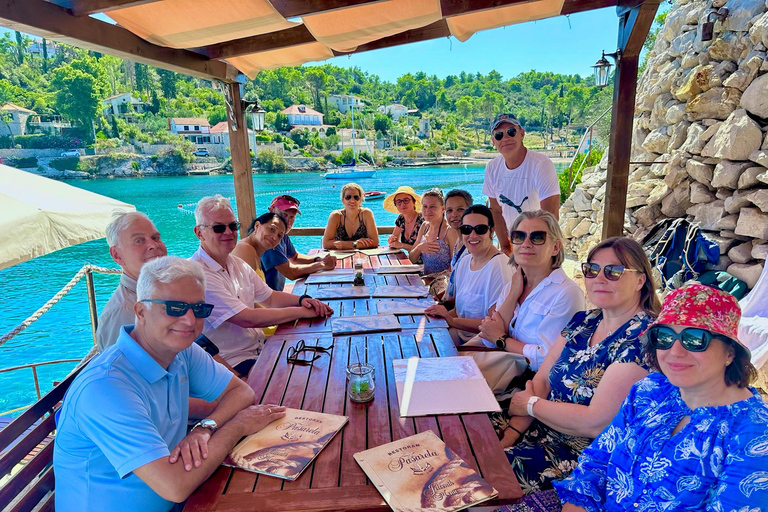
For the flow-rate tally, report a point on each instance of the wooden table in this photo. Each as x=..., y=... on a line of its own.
x=334, y=481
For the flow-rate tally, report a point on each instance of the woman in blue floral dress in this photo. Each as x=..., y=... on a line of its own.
x=692, y=437
x=588, y=372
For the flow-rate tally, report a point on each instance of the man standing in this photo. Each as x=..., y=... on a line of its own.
x=283, y=261
x=235, y=288
x=133, y=240
x=518, y=179
x=121, y=431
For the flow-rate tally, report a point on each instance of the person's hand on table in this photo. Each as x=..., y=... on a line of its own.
x=192, y=450
x=364, y=243
x=392, y=240
x=493, y=327
x=518, y=405
x=317, y=307
x=437, y=310
x=256, y=417
x=329, y=262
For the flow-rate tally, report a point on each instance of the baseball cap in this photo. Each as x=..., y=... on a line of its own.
x=504, y=118
x=285, y=202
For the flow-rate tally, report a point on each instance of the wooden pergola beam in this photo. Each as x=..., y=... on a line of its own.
x=634, y=23
x=51, y=21
x=86, y=7
x=574, y=6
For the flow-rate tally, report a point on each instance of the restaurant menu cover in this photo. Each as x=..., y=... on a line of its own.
x=285, y=447
x=421, y=473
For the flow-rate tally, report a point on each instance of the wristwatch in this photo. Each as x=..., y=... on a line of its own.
x=354, y=244
x=207, y=424
x=317, y=258
x=529, y=408
x=501, y=342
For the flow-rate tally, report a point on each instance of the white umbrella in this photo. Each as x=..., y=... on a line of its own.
x=39, y=215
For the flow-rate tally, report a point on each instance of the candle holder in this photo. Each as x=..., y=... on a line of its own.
x=360, y=382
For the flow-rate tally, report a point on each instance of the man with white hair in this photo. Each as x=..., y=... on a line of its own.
x=235, y=288
x=121, y=441
x=133, y=240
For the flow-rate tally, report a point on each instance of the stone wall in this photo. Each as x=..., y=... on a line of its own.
x=701, y=118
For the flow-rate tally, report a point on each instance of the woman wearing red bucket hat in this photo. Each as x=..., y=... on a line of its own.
x=692, y=436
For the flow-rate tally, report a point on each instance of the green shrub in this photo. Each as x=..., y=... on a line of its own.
x=270, y=161
x=571, y=176
x=135, y=166
x=70, y=163
x=40, y=141
x=23, y=162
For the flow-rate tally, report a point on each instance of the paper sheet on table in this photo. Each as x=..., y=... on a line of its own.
x=378, y=251
x=399, y=269
x=364, y=324
x=408, y=291
x=404, y=306
x=326, y=277
x=343, y=292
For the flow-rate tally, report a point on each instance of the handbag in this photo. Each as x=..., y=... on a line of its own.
x=497, y=366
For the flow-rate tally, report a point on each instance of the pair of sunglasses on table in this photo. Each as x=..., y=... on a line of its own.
x=179, y=308
x=294, y=353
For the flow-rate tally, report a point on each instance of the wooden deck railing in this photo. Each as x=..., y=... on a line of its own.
x=319, y=231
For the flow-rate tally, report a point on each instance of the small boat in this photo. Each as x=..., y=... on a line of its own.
x=352, y=172
x=375, y=194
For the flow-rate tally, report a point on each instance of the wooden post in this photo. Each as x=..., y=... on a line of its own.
x=242, y=172
x=634, y=24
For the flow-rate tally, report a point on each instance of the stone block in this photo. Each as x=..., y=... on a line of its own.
x=749, y=176
x=760, y=251
x=676, y=203
x=657, y=141
x=677, y=135
x=749, y=273
x=755, y=97
x=753, y=223
x=727, y=174
x=728, y=222
x=675, y=114
x=723, y=243
x=759, y=198
x=760, y=157
x=707, y=215
x=741, y=253
x=722, y=263
x=647, y=215
x=568, y=226
x=582, y=228
x=700, y=171
x=581, y=200
x=741, y=14
x=736, y=138
x=735, y=202
x=700, y=193
x=660, y=191
x=717, y=103
x=740, y=79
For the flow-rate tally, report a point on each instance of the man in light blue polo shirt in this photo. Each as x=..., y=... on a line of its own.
x=121, y=442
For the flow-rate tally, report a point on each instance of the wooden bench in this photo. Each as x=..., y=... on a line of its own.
x=26, y=454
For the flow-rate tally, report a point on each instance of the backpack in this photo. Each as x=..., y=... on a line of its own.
x=725, y=282
x=679, y=251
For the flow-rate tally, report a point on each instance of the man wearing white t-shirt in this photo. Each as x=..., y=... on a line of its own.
x=233, y=288
x=517, y=180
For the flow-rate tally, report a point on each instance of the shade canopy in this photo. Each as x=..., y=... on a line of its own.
x=41, y=215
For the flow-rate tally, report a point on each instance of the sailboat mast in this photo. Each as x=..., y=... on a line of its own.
x=354, y=150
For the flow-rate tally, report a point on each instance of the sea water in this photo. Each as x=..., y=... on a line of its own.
x=65, y=331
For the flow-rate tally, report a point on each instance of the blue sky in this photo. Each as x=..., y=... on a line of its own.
x=546, y=45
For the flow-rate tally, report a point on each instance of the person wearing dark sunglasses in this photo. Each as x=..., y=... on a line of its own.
x=479, y=277
x=352, y=227
x=238, y=293
x=587, y=373
x=121, y=433
x=696, y=417
x=284, y=261
x=540, y=299
x=518, y=179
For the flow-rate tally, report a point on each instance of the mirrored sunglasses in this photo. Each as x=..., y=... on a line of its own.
x=480, y=229
x=537, y=237
x=692, y=339
x=611, y=272
x=179, y=308
x=500, y=134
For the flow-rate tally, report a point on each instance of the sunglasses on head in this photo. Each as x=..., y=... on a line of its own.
x=537, y=237
x=480, y=229
x=221, y=228
x=692, y=339
x=611, y=272
x=350, y=196
x=500, y=134
x=179, y=308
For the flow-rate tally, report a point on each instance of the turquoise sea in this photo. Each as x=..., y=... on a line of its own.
x=65, y=331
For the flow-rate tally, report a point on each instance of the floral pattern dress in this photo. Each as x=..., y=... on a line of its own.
x=409, y=238
x=718, y=461
x=543, y=454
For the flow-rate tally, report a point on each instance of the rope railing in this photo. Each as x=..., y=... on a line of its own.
x=56, y=298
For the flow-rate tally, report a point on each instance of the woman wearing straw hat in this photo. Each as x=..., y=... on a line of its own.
x=693, y=436
x=407, y=203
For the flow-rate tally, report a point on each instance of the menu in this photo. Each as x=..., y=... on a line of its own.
x=285, y=447
x=421, y=473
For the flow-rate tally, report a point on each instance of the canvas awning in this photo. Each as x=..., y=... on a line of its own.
x=42, y=215
x=225, y=24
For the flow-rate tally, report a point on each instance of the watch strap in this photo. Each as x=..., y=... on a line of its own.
x=529, y=407
x=207, y=424
x=501, y=342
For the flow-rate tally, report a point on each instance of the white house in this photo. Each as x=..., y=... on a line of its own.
x=122, y=105
x=13, y=119
x=195, y=129
x=303, y=116
x=36, y=48
x=396, y=110
x=345, y=102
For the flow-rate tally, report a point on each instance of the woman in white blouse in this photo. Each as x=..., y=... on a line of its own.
x=480, y=278
x=540, y=299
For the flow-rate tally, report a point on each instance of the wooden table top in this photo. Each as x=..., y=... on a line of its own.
x=334, y=481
